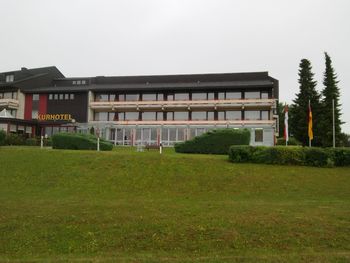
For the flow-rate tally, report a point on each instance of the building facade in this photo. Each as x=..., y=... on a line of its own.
x=132, y=110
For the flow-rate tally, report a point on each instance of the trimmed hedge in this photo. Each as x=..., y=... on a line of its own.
x=214, y=142
x=15, y=139
x=2, y=137
x=76, y=141
x=321, y=157
x=291, y=141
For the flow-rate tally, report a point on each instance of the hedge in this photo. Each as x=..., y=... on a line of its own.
x=2, y=137
x=215, y=141
x=15, y=139
x=321, y=157
x=291, y=141
x=76, y=141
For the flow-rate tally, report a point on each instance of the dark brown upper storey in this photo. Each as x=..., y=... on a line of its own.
x=191, y=82
x=26, y=79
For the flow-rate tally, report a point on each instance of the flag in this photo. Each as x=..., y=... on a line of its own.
x=311, y=134
x=286, y=136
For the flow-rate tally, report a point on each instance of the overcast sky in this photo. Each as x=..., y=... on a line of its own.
x=101, y=37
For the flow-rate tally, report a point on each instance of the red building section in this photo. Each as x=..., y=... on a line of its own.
x=42, y=104
x=28, y=107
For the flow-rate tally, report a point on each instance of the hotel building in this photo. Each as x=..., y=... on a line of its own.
x=131, y=110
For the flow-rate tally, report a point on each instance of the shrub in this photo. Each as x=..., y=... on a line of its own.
x=14, y=139
x=292, y=141
x=31, y=142
x=2, y=137
x=76, y=141
x=215, y=142
x=240, y=154
x=289, y=155
x=341, y=156
x=318, y=157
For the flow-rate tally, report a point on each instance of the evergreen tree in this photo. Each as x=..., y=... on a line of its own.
x=298, y=124
x=330, y=92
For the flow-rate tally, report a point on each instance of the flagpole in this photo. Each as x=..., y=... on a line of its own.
x=333, y=124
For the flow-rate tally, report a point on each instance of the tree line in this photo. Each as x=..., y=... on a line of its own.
x=321, y=105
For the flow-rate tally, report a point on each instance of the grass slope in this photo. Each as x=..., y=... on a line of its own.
x=126, y=206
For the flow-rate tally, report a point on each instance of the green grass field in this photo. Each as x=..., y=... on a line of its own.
x=125, y=206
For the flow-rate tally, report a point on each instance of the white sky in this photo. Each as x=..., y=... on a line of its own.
x=102, y=37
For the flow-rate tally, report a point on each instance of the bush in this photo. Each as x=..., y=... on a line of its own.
x=14, y=139
x=76, y=141
x=292, y=141
x=290, y=155
x=2, y=137
x=341, y=156
x=31, y=142
x=240, y=154
x=318, y=156
x=214, y=142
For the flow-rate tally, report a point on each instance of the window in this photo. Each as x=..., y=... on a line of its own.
x=170, y=97
x=160, y=116
x=60, y=96
x=131, y=97
x=121, y=116
x=83, y=82
x=34, y=114
x=35, y=97
x=199, y=96
x=101, y=116
x=101, y=97
x=10, y=78
x=181, y=115
x=131, y=116
x=221, y=115
x=50, y=96
x=210, y=116
x=199, y=115
x=181, y=96
x=14, y=95
x=78, y=82
x=170, y=116
x=252, y=95
x=121, y=97
x=7, y=95
x=221, y=95
x=233, y=115
x=149, y=116
x=258, y=135
x=211, y=96
x=264, y=114
x=71, y=96
x=55, y=96
x=252, y=115
x=149, y=97
x=233, y=95
x=66, y=96
x=74, y=82
x=264, y=95
x=111, y=97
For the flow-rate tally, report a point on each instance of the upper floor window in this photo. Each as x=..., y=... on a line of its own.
x=181, y=96
x=149, y=96
x=252, y=95
x=199, y=96
x=233, y=95
x=131, y=97
x=264, y=95
x=10, y=78
x=35, y=97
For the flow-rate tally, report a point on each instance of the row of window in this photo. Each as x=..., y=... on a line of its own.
x=8, y=95
x=182, y=96
x=61, y=96
x=182, y=115
x=79, y=82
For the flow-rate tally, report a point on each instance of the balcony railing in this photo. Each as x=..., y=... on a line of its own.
x=9, y=103
x=180, y=104
x=187, y=122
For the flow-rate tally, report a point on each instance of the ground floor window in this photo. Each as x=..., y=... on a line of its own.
x=259, y=135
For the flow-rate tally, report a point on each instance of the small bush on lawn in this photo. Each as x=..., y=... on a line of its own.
x=77, y=141
x=291, y=142
x=321, y=157
x=2, y=137
x=341, y=156
x=215, y=142
x=31, y=142
x=14, y=139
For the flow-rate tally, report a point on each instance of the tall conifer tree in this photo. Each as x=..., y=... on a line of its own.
x=330, y=92
x=299, y=111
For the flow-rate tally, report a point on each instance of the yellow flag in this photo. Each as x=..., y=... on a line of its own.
x=311, y=134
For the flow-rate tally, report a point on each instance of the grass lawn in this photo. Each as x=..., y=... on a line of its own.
x=126, y=206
